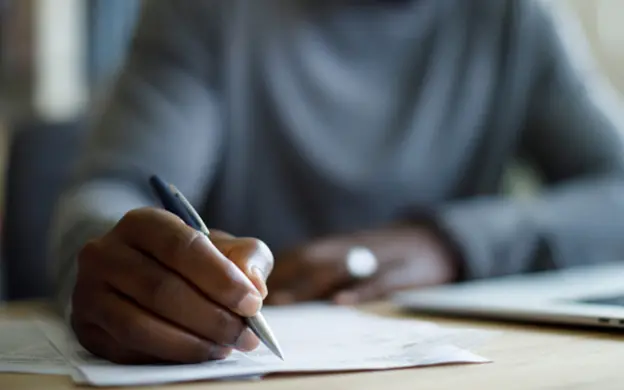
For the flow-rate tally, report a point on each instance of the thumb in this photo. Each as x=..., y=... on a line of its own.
x=251, y=255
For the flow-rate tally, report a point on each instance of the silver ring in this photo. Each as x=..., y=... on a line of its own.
x=361, y=262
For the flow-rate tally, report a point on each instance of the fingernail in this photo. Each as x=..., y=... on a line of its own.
x=282, y=298
x=250, y=305
x=247, y=341
x=259, y=280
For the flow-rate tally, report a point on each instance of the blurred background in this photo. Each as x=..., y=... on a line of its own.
x=57, y=55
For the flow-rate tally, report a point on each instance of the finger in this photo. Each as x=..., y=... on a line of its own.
x=251, y=255
x=316, y=284
x=319, y=283
x=101, y=344
x=91, y=336
x=309, y=273
x=367, y=291
x=166, y=294
x=384, y=283
x=140, y=331
x=191, y=254
x=280, y=281
x=283, y=273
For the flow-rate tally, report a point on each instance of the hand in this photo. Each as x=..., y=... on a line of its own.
x=155, y=290
x=409, y=257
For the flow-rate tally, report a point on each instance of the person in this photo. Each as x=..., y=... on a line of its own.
x=305, y=129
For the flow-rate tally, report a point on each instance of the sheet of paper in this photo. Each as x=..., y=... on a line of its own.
x=315, y=338
x=25, y=348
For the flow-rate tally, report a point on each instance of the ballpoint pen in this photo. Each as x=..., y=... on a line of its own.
x=176, y=203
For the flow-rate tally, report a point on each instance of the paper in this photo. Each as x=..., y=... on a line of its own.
x=314, y=338
x=25, y=348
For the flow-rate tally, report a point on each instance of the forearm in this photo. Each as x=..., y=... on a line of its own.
x=570, y=224
x=573, y=136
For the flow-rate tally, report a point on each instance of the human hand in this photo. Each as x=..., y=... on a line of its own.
x=155, y=290
x=408, y=257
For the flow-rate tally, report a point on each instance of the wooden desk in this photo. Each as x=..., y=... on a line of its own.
x=525, y=357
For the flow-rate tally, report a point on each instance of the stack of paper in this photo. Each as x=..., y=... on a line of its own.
x=315, y=338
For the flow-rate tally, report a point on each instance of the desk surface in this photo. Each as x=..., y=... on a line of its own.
x=524, y=357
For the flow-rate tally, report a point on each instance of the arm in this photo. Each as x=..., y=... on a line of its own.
x=573, y=135
x=161, y=118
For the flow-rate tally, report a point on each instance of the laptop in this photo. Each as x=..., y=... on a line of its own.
x=581, y=296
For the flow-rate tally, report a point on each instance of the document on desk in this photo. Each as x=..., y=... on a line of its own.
x=25, y=348
x=315, y=338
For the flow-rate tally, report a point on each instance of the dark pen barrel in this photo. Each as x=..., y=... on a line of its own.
x=170, y=202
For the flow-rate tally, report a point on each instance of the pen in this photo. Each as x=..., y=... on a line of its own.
x=176, y=203
x=170, y=203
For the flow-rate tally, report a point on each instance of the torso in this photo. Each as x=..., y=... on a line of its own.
x=353, y=113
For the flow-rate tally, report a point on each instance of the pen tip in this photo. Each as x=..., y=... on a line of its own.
x=277, y=351
x=261, y=329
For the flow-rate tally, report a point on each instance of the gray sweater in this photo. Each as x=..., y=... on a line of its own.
x=286, y=120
